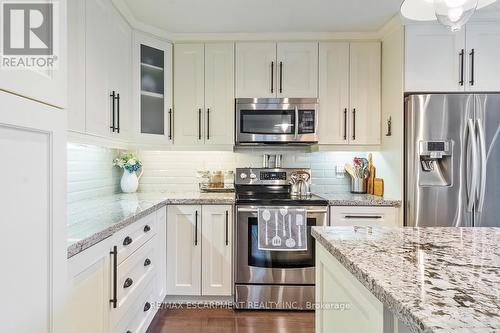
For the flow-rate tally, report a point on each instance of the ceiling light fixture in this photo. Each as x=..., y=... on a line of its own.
x=451, y=13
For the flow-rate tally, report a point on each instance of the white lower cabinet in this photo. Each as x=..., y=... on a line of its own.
x=341, y=216
x=344, y=304
x=128, y=268
x=199, y=251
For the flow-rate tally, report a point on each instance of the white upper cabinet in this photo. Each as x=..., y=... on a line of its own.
x=204, y=94
x=189, y=94
x=256, y=70
x=219, y=93
x=269, y=69
x=483, y=52
x=334, y=93
x=152, y=86
x=435, y=59
x=297, y=70
x=365, y=91
x=44, y=85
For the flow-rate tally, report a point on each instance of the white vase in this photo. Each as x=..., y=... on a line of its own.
x=129, y=182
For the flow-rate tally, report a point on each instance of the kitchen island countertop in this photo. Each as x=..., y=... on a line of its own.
x=431, y=279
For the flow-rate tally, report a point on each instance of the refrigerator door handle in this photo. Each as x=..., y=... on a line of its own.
x=483, y=160
x=473, y=185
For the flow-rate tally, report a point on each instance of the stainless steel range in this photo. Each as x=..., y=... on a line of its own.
x=273, y=279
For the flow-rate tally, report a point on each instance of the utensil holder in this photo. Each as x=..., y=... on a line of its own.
x=359, y=185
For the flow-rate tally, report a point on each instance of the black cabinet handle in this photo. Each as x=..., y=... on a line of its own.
x=113, y=106
x=114, y=254
x=199, y=124
x=196, y=228
x=118, y=113
x=227, y=228
x=472, y=54
x=281, y=77
x=462, y=54
x=345, y=124
x=208, y=124
x=147, y=228
x=170, y=124
x=272, y=77
x=147, y=306
x=127, y=241
x=354, y=124
x=147, y=262
x=128, y=282
x=366, y=217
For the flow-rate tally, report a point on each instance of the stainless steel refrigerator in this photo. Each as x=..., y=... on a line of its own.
x=452, y=165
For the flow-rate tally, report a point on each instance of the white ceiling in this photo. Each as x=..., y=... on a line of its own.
x=257, y=16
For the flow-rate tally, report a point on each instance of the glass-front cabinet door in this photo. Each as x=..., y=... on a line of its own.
x=153, y=90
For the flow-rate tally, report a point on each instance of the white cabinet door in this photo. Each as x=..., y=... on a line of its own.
x=33, y=141
x=433, y=60
x=483, y=39
x=47, y=86
x=184, y=250
x=216, y=247
x=189, y=94
x=76, y=66
x=98, y=100
x=120, y=75
x=365, y=91
x=297, y=70
x=219, y=93
x=364, y=216
x=256, y=70
x=152, y=90
x=334, y=93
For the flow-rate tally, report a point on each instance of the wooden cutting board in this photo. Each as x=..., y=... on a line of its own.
x=378, y=187
x=371, y=177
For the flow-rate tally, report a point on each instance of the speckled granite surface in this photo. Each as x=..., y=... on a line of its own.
x=432, y=279
x=350, y=199
x=91, y=221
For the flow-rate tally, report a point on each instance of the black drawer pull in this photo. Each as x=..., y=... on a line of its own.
x=147, y=262
x=147, y=306
x=127, y=241
x=147, y=228
x=128, y=283
x=367, y=217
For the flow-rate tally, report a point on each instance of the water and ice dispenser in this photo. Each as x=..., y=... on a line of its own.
x=436, y=163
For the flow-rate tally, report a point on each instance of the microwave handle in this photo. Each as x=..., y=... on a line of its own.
x=296, y=123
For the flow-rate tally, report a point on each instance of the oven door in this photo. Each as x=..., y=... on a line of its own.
x=276, y=123
x=254, y=266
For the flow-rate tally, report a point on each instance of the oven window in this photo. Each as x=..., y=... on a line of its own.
x=279, y=259
x=267, y=121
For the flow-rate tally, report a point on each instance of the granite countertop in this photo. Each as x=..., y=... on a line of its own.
x=432, y=279
x=350, y=199
x=91, y=221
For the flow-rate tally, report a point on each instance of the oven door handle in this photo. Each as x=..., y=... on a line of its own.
x=308, y=211
x=296, y=135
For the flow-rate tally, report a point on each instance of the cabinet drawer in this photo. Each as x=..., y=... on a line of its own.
x=140, y=314
x=133, y=237
x=133, y=273
x=363, y=216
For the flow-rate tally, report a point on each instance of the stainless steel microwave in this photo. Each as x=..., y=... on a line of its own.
x=276, y=121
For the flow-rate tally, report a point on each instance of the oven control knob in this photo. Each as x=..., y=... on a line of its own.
x=253, y=176
x=243, y=175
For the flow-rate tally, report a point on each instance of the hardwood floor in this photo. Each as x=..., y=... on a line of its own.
x=229, y=321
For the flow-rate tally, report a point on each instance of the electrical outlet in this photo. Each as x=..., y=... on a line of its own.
x=340, y=171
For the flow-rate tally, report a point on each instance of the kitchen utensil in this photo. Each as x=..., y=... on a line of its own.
x=276, y=241
x=283, y=212
x=266, y=215
x=299, y=222
x=290, y=242
x=350, y=170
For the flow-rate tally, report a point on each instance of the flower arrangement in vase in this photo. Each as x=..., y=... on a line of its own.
x=130, y=165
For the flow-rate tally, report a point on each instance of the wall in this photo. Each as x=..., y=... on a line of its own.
x=90, y=172
x=389, y=159
x=176, y=171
